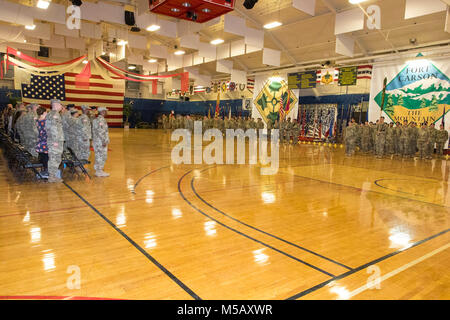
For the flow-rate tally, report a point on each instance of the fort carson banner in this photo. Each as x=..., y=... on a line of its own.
x=417, y=91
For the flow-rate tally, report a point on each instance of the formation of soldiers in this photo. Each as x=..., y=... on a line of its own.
x=289, y=130
x=66, y=128
x=403, y=140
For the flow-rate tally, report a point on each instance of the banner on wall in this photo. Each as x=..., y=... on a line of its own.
x=302, y=80
x=348, y=76
x=418, y=91
x=275, y=100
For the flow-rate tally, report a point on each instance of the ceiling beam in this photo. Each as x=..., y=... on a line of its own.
x=274, y=39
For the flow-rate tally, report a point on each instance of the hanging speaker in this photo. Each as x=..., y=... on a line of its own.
x=129, y=18
x=43, y=52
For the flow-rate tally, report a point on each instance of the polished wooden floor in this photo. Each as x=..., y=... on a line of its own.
x=324, y=227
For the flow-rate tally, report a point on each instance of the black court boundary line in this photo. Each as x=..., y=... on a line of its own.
x=416, y=195
x=363, y=190
x=344, y=275
x=138, y=247
x=145, y=176
x=243, y=234
x=262, y=231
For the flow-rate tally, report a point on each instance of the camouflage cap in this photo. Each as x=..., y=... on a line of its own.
x=85, y=107
x=53, y=101
x=100, y=109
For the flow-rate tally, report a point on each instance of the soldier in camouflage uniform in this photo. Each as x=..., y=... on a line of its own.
x=441, y=140
x=390, y=139
x=372, y=137
x=270, y=125
x=29, y=129
x=100, y=140
x=380, y=138
x=295, y=131
x=412, y=139
x=259, y=126
x=398, y=132
x=84, y=140
x=423, y=136
x=431, y=141
x=76, y=131
x=165, y=122
x=350, y=139
x=404, y=138
x=365, y=138
x=55, y=139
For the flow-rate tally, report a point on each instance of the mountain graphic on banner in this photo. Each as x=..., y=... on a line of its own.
x=419, y=86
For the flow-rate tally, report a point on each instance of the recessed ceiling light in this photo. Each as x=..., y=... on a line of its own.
x=122, y=42
x=30, y=27
x=206, y=10
x=153, y=27
x=85, y=61
x=179, y=52
x=24, y=40
x=43, y=4
x=216, y=41
x=272, y=25
x=356, y=1
x=131, y=67
x=152, y=60
x=175, y=10
x=186, y=4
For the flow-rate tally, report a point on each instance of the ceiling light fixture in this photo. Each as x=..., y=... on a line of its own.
x=179, y=52
x=152, y=60
x=153, y=27
x=131, y=67
x=186, y=4
x=217, y=41
x=175, y=10
x=206, y=10
x=85, y=61
x=356, y=1
x=122, y=42
x=43, y=4
x=272, y=25
x=30, y=27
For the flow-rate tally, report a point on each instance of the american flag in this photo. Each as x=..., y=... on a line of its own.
x=100, y=93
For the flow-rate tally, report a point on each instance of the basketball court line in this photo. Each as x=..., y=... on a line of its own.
x=364, y=190
x=259, y=230
x=138, y=247
x=145, y=176
x=243, y=234
x=364, y=266
x=398, y=270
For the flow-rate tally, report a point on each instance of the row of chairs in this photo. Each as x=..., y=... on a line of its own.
x=26, y=167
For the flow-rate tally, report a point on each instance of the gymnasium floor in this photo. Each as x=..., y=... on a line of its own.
x=322, y=228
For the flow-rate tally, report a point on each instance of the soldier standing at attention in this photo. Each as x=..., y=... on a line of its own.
x=55, y=139
x=390, y=139
x=441, y=140
x=259, y=126
x=350, y=139
x=412, y=138
x=380, y=138
x=29, y=129
x=295, y=131
x=165, y=123
x=100, y=140
x=423, y=137
x=84, y=142
x=398, y=132
x=270, y=125
x=404, y=138
x=75, y=132
x=431, y=141
x=365, y=138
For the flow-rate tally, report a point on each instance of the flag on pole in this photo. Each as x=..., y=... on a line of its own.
x=217, y=105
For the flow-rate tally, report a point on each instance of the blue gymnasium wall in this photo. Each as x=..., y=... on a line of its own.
x=150, y=109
